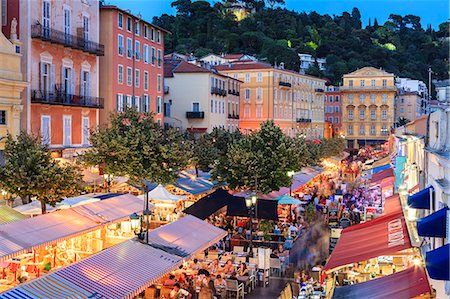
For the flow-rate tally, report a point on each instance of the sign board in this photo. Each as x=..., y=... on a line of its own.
x=334, y=237
x=333, y=219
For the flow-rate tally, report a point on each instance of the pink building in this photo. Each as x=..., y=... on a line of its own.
x=131, y=72
x=333, y=109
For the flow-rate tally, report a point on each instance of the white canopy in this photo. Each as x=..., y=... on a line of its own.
x=34, y=208
x=76, y=201
x=160, y=193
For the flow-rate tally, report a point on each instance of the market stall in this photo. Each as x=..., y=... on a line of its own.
x=167, y=205
x=8, y=215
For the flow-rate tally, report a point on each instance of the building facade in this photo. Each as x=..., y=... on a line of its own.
x=131, y=71
x=199, y=99
x=333, y=109
x=368, y=111
x=214, y=59
x=11, y=84
x=307, y=61
x=408, y=105
x=295, y=102
x=59, y=42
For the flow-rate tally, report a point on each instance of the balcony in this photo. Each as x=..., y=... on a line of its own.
x=233, y=92
x=303, y=120
x=195, y=114
x=60, y=98
x=380, y=88
x=233, y=116
x=67, y=40
x=218, y=91
x=166, y=89
x=319, y=90
x=285, y=84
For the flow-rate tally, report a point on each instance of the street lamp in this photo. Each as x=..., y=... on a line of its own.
x=108, y=179
x=137, y=220
x=250, y=203
x=290, y=174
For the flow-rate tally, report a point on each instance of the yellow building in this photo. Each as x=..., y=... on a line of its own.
x=11, y=86
x=368, y=106
x=294, y=101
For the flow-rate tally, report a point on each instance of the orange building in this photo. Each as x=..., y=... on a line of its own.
x=60, y=60
x=294, y=101
x=131, y=71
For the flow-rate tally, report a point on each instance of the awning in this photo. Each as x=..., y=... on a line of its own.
x=399, y=167
x=380, y=168
x=421, y=199
x=433, y=225
x=34, y=208
x=111, y=274
x=194, y=185
x=382, y=162
x=265, y=208
x=8, y=215
x=161, y=193
x=406, y=284
x=392, y=204
x=437, y=262
x=384, y=235
x=287, y=200
x=188, y=235
x=379, y=176
x=208, y=205
x=25, y=235
x=77, y=201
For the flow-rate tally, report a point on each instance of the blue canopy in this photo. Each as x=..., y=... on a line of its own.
x=421, y=199
x=434, y=225
x=380, y=168
x=287, y=200
x=399, y=166
x=437, y=262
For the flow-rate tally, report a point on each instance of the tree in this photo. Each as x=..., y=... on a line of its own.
x=135, y=146
x=402, y=121
x=273, y=3
x=259, y=161
x=30, y=171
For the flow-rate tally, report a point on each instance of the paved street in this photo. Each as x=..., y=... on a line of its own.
x=274, y=289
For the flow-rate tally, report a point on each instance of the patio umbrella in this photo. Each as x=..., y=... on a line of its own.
x=287, y=200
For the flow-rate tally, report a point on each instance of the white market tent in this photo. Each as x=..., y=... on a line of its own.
x=161, y=194
x=77, y=201
x=34, y=208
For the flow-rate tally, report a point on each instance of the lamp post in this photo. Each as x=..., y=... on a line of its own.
x=108, y=180
x=290, y=174
x=137, y=220
x=250, y=203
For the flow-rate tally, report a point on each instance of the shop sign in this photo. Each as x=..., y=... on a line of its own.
x=333, y=218
x=396, y=236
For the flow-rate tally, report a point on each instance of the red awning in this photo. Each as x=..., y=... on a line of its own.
x=406, y=284
x=392, y=204
x=379, y=176
x=385, y=235
x=387, y=182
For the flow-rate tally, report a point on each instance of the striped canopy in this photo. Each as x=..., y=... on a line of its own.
x=8, y=215
x=25, y=235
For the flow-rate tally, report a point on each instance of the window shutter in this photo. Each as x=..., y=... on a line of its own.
x=41, y=75
x=117, y=103
x=89, y=85
x=62, y=81
x=72, y=81
x=81, y=84
x=52, y=79
x=133, y=101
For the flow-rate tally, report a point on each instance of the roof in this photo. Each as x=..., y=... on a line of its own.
x=409, y=283
x=233, y=56
x=22, y=236
x=8, y=215
x=128, y=12
x=160, y=193
x=181, y=66
x=384, y=235
x=108, y=274
x=369, y=71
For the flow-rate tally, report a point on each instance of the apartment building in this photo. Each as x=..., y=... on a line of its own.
x=368, y=110
x=214, y=59
x=294, y=101
x=333, y=109
x=199, y=99
x=131, y=71
x=408, y=105
x=59, y=43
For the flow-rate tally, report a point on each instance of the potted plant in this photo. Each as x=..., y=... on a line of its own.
x=266, y=227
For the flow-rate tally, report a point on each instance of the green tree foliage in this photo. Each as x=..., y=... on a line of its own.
x=30, y=171
x=135, y=146
x=402, y=121
x=400, y=45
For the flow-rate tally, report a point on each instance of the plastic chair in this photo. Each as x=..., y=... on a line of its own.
x=233, y=286
x=238, y=249
x=275, y=265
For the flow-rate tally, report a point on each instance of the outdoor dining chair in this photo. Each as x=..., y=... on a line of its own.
x=238, y=249
x=275, y=266
x=235, y=287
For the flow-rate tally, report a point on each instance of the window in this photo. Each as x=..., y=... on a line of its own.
x=247, y=78
x=4, y=13
x=146, y=103
x=137, y=103
x=46, y=23
x=145, y=80
x=330, y=119
x=350, y=114
x=85, y=28
x=384, y=130
x=247, y=94
x=2, y=117
x=120, y=48
x=350, y=130
x=129, y=24
x=260, y=77
x=223, y=107
x=67, y=25
x=129, y=76
x=275, y=112
x=153, y=56
x=247, y=112
x=383, y=114
x=196, y=107
x=120, y=74
x=129, y=101
x=145, y=53
x=46, y=78
x=384, y=98
x=137, y=77
x=158, y=83
x=137, y=28
x=384, y=82
x=85, y=130
x=336, y=98
x=350, y=83
x=330, y=98
x=129, y=47
x=336, y=120
x=372, y=114
x=46, y=129
x=85, y=84
x=331, y=109
x=361, y=129
x=158, y=105
x=67, y=130
x=67, y=80
x=137, y=48
x=350, y=99
x=120, y=20
x=361, y=83
x=259, y=93
x=158, y=37
x=336, y=108
x=373, y=98
x=362, y=97
x=119, y=102
x=361, y=114
x=402, y=100
x=402, y=110
x=145, y=31
x=212, y=106
x=372, y=129
x=259, y=112
x=373, y=83
x=152, y=34
x=159, y=58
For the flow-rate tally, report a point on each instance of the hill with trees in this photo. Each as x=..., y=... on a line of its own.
x=275, y=34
